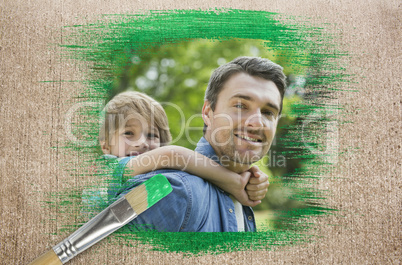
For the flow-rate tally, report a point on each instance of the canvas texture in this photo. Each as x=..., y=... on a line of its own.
x=364, y=186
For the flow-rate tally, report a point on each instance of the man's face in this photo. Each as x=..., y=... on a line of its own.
x=134, y=138
x=243, y=124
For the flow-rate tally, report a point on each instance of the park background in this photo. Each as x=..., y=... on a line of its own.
x=365, y=186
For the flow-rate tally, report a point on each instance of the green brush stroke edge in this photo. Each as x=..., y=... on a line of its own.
x=157, y=188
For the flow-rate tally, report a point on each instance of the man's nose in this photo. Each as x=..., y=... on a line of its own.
x=255, y=119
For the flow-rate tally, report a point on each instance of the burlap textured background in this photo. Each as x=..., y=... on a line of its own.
x=366, y=185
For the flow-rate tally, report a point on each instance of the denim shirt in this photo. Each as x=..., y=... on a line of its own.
x=194, y=205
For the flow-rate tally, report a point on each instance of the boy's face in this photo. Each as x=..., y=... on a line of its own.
x=135, y=138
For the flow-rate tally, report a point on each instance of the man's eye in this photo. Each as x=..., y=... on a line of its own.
x=268, y=113
x=239, y=106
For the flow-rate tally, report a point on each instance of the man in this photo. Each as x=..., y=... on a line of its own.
x=242, y=106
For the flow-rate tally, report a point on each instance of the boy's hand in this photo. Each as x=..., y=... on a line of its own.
x=249, y=187
x=240, y=192
x=257, y=185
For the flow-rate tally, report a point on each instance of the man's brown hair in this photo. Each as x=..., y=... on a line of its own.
x=254, y=66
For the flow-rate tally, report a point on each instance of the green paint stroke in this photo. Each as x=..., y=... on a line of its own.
x=109, y=44
x=157, y=188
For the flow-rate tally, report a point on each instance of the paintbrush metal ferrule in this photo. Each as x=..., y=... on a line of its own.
x=106, y=222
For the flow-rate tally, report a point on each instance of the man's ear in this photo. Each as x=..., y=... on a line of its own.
x=105, y=148
x=207, y=113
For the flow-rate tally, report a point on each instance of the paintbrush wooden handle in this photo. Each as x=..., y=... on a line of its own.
x=49, y=258
x=109, y=220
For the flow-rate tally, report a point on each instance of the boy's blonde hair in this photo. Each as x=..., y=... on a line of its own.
x=134, y=103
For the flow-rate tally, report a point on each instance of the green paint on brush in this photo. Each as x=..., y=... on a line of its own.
x=106, y=47
x=157, y=188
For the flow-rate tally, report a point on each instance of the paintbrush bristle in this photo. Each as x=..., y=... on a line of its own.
x=148, y=193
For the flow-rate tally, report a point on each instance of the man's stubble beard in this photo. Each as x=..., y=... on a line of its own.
x=228, y=152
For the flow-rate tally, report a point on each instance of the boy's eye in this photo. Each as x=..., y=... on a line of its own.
x=129, y=133
x=153, y=135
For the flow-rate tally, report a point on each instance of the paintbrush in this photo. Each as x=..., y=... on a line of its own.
x=109, y=220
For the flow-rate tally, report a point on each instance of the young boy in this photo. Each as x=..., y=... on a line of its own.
x=136, y=131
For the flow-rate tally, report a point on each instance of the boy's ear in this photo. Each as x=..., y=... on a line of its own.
x=207, y=113
x=105, y=148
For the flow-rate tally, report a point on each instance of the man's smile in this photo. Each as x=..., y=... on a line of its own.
x=253, y=138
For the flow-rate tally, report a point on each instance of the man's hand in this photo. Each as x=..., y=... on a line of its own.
x=257, y=185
